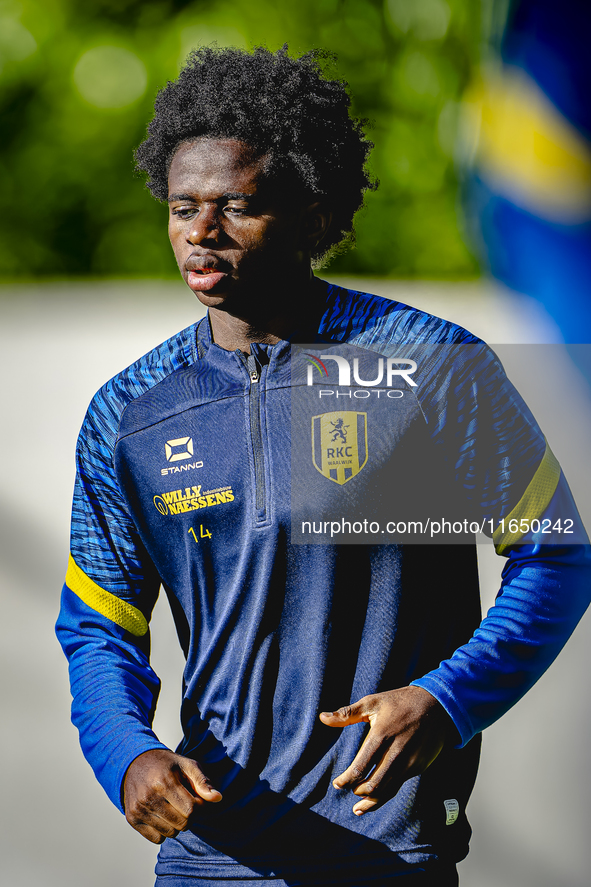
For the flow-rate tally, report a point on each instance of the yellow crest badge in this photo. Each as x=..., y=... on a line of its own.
x=339, y=444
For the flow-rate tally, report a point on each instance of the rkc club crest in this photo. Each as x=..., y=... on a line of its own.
x=339, y=444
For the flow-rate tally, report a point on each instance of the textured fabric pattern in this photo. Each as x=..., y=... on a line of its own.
x=104, y=540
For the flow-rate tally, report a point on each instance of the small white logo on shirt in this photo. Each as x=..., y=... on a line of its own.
x=185, y=453
x=452, y=811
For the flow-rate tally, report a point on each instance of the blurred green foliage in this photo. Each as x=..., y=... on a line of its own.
x=77, y=84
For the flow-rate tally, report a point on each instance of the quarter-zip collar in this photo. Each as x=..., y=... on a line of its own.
x=234, y=363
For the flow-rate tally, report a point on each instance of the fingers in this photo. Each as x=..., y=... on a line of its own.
x=368, y=756
x=153, y=827
x=349, y=714
x=199, y=782
x=370, y=752
x=156, y=818
x=160, y=809
x=382, y=784
x=376, y=773
x=161, y=791
x=408, y=729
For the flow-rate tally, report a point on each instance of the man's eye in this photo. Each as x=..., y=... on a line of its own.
x=183, y=212
x=236, y=210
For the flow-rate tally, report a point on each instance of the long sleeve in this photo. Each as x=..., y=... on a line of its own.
x=544, y=592
x=546, y=582
x=512, y=484
x=110, y=590
x=111, y=584
x=114, y=691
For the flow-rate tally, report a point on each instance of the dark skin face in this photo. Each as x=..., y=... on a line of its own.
x=242, y=244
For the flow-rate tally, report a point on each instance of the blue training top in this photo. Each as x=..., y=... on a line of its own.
x=185, y=478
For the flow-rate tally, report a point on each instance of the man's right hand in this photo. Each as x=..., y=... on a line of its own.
x=160, y=792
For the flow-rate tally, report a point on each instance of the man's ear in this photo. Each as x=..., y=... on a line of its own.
x=317, y=220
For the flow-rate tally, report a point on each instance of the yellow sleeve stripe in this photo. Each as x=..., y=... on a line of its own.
x=105, y=603
x=533, y=503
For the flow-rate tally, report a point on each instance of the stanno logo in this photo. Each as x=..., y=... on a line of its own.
x=339, y=445
x=394, y=366
x=171, y=445
x=173, y=454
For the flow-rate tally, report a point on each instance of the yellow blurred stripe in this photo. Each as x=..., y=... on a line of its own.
x=533, y=503
x=105, y=603
x=526, y=150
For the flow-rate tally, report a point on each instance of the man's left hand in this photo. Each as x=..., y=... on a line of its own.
x=408, y=729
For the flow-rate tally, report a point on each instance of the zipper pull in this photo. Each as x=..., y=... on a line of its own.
x=253, y=370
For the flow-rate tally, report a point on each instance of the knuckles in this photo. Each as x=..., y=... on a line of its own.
x=152, y=825
x=155, y=790
x=201, y=780
x=356, y=773
x=157, y=804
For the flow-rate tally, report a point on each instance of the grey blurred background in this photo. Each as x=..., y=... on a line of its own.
x=532, y=805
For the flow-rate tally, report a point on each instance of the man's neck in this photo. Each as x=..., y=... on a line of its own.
x=301, y=312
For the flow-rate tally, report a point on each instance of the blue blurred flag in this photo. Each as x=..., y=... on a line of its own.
x=529, y=135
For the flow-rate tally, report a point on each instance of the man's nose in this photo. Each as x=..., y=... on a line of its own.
x=205, y=225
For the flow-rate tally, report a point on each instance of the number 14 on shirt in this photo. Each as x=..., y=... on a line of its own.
x=203, y=534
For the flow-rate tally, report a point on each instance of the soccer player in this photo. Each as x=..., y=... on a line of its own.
x=184, y=481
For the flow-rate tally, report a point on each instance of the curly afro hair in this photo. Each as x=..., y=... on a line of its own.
x=282, y=107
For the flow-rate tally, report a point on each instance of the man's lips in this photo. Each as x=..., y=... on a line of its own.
x=204, y=272
x=201, y=281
